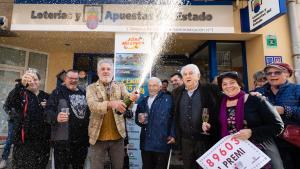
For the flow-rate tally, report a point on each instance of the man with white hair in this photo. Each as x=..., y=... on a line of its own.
x=190, y=100
x=107, y=127
x=155, y=115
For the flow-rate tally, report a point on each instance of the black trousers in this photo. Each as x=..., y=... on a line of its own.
x=154, y=160
x=192, y=150
x=30, y=156
x=66, y=154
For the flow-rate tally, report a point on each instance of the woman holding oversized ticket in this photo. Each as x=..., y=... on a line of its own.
x=248, y=117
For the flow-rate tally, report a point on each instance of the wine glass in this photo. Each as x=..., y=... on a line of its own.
x=31, y=71
x=66, y=110
x=205, y=118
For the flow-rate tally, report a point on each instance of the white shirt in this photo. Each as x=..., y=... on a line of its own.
x=150, y=101
x=190, y=92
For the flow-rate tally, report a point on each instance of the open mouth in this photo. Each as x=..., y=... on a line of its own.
x=274, y=80
x=230, y=89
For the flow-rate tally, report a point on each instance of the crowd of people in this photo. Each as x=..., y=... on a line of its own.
x=76, y=118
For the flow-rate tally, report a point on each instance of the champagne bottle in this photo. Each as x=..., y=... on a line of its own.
x=127, y=102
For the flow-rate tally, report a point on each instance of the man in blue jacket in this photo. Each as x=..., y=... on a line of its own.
x=154, y=115
x=285, y=96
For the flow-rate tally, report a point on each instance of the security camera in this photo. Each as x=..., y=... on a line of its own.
x=3, y=23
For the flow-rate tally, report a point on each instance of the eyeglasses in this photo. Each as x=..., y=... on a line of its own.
x=276, y=73
x=72, y=78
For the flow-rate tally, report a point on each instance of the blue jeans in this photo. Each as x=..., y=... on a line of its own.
x=8, y=142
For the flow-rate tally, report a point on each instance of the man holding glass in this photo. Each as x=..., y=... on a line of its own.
x=155, y=115
x=191, y=99
x=68, y=114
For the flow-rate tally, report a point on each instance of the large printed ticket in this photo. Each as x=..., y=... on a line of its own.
x=232, y=153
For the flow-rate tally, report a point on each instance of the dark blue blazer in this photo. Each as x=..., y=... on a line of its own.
x=160, y=124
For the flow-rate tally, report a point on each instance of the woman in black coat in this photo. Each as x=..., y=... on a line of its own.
x=248, y=117
x=31, y=132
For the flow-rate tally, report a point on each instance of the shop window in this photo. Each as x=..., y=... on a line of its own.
x=12, y=57
x=7, y=82
x=82, y=63
x=201, y=59
x=167, y=65
x=39, y=62
x=13, y=62
x=229, y=57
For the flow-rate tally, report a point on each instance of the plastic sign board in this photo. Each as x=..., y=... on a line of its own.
x=261, y=12
x=271, y=41
x=232, y=153
x=273, y=59
x=130, y=52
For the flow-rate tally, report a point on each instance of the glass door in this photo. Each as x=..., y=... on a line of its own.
x=201, y=59
x=231, y=56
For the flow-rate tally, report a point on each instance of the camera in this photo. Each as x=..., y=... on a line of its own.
x=3, y=23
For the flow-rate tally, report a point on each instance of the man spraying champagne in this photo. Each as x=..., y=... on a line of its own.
x=107, y=127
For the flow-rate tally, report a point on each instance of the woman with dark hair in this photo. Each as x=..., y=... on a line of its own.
x=248, y=118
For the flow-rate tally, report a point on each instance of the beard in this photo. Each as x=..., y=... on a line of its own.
x=106, y=79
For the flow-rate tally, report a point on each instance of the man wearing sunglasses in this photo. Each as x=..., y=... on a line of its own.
x=285, y=96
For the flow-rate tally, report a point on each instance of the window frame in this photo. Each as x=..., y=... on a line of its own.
x=25, y=67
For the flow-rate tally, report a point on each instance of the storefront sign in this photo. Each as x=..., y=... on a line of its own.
x=120, y=18
x=190, y=2
x=273, y=59
x=259, y=13
x=271, y=41
x=232, y=153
